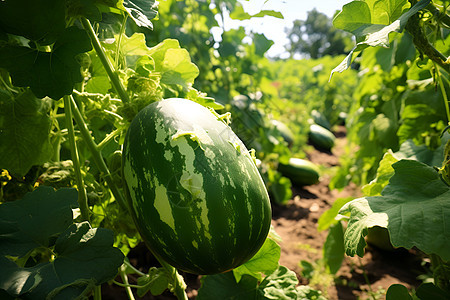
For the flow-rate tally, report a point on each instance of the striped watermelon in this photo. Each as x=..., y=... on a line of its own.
x=193, y=188
x=300, y=171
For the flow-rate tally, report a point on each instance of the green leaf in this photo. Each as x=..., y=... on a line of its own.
x=305, y=292
x=141, y=12
x=177, y=68
x=38, y=20
x=371, y=22
x=99, y=81
x=333, y=249
x=422, y=153
x=414, y=207
x=279, y=285
x=239, y=14
x=24, y=132
x=173, y=63
x=357, y=15
x=384, y=173
x=328, y=218
x=157, y=281
x=44, y=208
x=262, y=44
x=129, y=46
x=16, y=281
x=224, y=286
x=264, y=261
x=428, y=291
x=231, y=42
x=421, y=108
x=398, y=292
x=52, y=74
x=84, y=258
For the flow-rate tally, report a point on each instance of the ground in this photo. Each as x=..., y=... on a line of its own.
x=296, y=222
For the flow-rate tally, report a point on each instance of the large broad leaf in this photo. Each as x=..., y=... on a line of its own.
x=85, y=257
x=371, y=22
x=408, y=150
x=279, y=285
x=52, y=74
x=422, y=153
x=398, y=292
x=24, y=132
x=428, y=291
x=414, y=207
x=35, y=220
x=173, y=63
x=38, y=20
x=264, y=261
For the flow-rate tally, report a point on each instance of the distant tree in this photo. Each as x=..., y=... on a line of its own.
x=316, y=37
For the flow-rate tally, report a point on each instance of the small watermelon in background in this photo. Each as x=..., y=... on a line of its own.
x=321, y=137
x=300, y=171
x=284, y=131
x=320, y=119
x=193, y=188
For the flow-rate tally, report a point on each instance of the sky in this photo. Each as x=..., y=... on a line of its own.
x=274, y=28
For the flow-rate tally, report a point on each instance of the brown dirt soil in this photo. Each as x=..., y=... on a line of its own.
x=296, y=222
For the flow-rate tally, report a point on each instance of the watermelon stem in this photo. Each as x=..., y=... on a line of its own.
x=96, y=154
x=112, y=74
x=124, y=277
x=82, y=195
x=178, y=284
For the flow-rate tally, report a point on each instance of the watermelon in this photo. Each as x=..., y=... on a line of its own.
x=284, y=131
x=300, y=171
x=321, y=137
x=193, y=188
x=320, y=119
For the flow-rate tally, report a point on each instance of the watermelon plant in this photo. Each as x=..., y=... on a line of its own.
x=402, y=112
x=75, y=77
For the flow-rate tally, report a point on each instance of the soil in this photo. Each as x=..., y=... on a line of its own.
x=296, y=222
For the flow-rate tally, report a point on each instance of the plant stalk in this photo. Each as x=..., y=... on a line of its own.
x=107, y=139
x=178, y=285
x=98, y=292
x=423, y=45
x=124, y=277
x=112, y=74
x=82, y=195
x=444, y=94
x=96, y=154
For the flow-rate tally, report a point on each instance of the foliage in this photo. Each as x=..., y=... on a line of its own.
x=97, y=64
x=398, y=122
